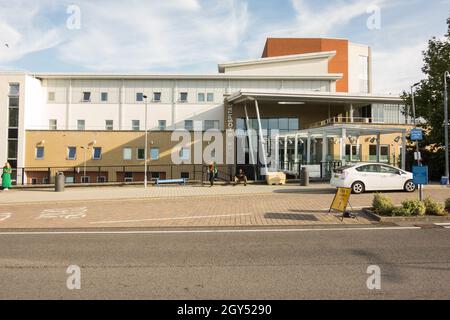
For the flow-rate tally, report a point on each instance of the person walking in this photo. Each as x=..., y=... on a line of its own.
x=211, y=174
x=6, y=177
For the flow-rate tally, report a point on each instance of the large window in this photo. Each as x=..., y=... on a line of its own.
x=81, y=125
x=281, y=124
x=39, y=153
x=135, y=125
x=161, y=125
x=127, y=153
x=13, y=117
x=109, y=125
x=140, y=153
x=52, y=124
x=154, y=153
x=97, y=153
x=14, y=89
x=71, y=153
x=211, y=124
x=12, y=149
x=189, y=125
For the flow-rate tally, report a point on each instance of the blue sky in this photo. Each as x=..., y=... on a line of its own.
x=194, y=35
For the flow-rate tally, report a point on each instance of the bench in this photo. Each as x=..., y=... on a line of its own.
x=171, y=181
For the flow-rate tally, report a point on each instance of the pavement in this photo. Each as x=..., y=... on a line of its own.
x=157, y=207
x=283, y=263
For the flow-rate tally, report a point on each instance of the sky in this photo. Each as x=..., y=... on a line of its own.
x=193, y=36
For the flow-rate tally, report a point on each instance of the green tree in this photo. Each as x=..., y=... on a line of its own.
x=429, y=99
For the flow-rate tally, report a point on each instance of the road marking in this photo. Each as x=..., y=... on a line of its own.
x=203, y=231
x=447, y=224
x=66, y=213
x=177, y=218
x=5, y=216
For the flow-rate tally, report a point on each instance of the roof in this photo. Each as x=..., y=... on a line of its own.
x=294, y=57
x=339, y=97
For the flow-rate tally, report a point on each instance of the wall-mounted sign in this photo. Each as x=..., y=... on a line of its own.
x=416, y=134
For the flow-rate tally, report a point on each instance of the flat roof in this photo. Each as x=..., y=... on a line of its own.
x=303, y=96
x=293, y=57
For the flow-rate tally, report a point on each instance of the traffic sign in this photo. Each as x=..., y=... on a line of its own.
x=416, y=134
x=420, y=175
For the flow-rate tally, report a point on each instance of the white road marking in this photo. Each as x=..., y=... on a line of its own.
x=203, y=231
x=5, y=216
x=177, y=218
x=66, y=213
x=443, y=224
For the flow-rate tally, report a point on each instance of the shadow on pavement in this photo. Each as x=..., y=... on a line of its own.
x=307, y=191
x=290, y=216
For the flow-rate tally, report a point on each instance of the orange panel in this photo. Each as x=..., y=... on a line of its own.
x=287, y=46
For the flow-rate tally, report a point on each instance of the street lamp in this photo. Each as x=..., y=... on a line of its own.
x=446, y=75
x=84, y=169
x=146, y=147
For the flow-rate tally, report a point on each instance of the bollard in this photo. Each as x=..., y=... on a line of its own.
x=59, y=182
x=304, y=181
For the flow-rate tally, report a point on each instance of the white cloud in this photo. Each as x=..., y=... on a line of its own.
x=136, y=35
x=22, y=29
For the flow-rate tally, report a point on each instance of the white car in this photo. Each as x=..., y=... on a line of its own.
x=372, y=177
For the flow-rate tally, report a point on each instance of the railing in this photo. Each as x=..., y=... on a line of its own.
x=340, y=120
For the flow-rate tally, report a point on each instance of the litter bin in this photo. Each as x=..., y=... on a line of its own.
x=304, y=177
x=444, y=181
x=59, y=182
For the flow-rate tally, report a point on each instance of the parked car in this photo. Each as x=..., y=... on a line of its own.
x=372, y=177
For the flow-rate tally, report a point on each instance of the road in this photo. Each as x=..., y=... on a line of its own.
x=233, y=264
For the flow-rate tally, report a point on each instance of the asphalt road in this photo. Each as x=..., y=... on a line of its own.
x=314, y=264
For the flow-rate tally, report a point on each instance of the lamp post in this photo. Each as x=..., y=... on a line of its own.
x=446, y=75
x=84, y=167
x=417, y=141
x=145, y=148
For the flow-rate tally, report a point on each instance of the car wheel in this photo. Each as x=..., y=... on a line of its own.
x=358, y=187
x=410, y=186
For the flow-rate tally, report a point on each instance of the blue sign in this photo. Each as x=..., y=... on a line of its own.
x=420, y=174
x=416, y=134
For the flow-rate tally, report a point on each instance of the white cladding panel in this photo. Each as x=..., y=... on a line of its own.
x=356, y=53
x=298, y=67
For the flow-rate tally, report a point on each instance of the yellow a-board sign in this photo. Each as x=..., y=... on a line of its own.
x=341, y=198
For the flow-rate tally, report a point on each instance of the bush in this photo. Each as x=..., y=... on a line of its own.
x=447, y=204
x=433, y=208
x=414, y=207
x=382, y=205
x=400, y=212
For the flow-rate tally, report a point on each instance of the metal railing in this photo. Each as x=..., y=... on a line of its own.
x=340, y=120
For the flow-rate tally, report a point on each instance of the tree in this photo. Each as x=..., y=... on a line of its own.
x=429, y=99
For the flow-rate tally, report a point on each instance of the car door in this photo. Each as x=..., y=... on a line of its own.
x=391, y=178
x=368, y=174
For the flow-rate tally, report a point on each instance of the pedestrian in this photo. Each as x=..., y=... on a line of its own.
x=6, y=177
x=240, y=177
x=211, y=174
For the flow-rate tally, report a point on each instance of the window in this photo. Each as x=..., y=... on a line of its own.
x=101, y=179
x=157, y=96
x=85, y=179
x=155, y=175
x=52, y=124
x=211, y=124
x=363, y=74
x=135, y=125
x=141, y=154
x=71, y=153
x=51, y=96
x=45, y=181
x=14, y=102
x=86, y=96
x=162, y=125
x=210, y=97
x=39, y=153
x=128, y=177
x=369, y=168
x=384, y=156
x=127, y=154
x=13, y=117
x=14, y=89
x=97, y=153
x=139, y=97
x=13, y=133
x=185, y=175
x=12, y=149
x=154, y=153
x=70, y=180
x=390, y=170
x=33, y=181
x=185, y=154
x=104, y=96
x=183, y=96
x=189, y=125
x=201, y=97
x=81, y=125
x=109, y=125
